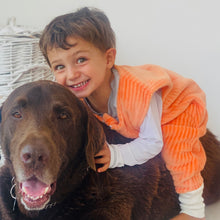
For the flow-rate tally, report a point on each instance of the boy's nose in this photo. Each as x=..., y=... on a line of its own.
x=72, y=73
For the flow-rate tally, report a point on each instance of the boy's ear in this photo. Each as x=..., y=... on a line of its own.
x=110, y=56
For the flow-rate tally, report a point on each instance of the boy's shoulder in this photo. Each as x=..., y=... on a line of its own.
x=148, y=74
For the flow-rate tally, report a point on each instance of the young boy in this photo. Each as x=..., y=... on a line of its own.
x=160, y=109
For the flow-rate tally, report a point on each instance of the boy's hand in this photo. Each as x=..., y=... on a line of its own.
x=103, y=157
x=184, y=216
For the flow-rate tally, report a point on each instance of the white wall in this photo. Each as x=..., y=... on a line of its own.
x=182, y=35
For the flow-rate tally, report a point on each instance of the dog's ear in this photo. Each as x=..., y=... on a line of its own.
x=95, y=140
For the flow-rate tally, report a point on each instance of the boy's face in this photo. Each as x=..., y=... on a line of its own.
x=84, y=69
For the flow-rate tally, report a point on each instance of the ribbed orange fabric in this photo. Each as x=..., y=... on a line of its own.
x=184, y=118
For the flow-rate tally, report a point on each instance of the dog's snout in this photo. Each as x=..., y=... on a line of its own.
x=31, y=154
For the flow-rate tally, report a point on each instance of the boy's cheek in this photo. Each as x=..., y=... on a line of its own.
x=60, y=80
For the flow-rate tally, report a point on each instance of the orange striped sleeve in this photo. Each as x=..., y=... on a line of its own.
x=183, y=153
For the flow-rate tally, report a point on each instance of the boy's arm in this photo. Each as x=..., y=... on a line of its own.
x=192, y=203
x=147, y=145
x=184, y=216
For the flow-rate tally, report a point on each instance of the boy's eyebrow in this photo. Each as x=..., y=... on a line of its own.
x=79, y=51
x=55, y=61
x=74, y=53
x=58, y=60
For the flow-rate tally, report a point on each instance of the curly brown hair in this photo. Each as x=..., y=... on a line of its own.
x=89, y=24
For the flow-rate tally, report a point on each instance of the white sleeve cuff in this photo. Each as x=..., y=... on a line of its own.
x=192, y=203
x=116, y=157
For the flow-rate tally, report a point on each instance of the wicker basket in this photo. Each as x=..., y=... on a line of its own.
x=21, y=61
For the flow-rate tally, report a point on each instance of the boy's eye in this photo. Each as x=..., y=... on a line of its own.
x=81, y=60
x=59, y=67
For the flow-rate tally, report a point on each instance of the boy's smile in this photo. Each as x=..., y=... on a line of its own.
x=83, y=68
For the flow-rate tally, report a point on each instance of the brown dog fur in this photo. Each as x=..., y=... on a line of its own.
x=50, y=119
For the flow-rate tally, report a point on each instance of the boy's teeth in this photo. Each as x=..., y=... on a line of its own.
x=80, y=84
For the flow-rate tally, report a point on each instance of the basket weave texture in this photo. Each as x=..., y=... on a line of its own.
x=21, y=61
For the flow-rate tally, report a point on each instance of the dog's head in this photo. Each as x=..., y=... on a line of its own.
x=48, y=138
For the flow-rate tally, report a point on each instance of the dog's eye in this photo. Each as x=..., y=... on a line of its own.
x=63, y=115
x=16, y=115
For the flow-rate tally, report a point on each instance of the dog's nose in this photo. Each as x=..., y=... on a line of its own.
x=30, y=154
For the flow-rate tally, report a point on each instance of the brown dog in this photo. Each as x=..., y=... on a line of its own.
x=49, y=139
